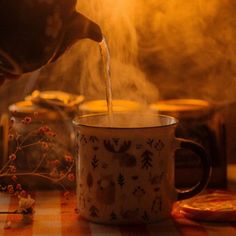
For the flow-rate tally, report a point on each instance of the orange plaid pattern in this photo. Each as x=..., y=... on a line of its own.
x=56, y=216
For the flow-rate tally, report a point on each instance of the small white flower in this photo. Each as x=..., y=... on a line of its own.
x=25, y=203
x=8, y=225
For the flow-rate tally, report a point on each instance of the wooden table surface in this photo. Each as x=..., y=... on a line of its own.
x=56, y=216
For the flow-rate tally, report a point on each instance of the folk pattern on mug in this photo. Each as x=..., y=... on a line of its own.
x=121, y=153
x=106, y=190
x=105, y=187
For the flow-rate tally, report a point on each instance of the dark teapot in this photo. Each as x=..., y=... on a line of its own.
x=36, y=32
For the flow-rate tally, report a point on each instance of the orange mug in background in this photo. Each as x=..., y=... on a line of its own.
x=125, y=167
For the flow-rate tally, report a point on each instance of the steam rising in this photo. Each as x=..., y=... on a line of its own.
x=184, y=48
x=190, y=47
x=118, y=22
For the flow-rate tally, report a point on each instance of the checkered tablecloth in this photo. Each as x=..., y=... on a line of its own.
x=56, y=216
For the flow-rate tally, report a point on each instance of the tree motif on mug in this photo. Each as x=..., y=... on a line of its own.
x=146, y=159
x=95, y=162
x=121, y=180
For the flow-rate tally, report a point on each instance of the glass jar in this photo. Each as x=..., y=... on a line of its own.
x=41, y=141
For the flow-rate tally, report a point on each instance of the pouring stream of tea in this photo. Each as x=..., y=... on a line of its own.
x=107, y=72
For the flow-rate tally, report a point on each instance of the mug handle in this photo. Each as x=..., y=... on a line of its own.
x=207, y=168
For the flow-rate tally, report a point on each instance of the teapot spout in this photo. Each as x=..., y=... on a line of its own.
x=86, y=28
x=82, y=27
x=79, y=27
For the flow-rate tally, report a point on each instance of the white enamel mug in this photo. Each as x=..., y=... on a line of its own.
x=125, y=167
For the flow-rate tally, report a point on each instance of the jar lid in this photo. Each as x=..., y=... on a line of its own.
x=218, y=206
x=27, y=108
x=48, y=105
x=101, y=106
x=55, y=98
x=183, y=108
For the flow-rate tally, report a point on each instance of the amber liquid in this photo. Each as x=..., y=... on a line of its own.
x=107, y=73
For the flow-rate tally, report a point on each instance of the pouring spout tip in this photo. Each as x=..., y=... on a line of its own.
x=96, y=33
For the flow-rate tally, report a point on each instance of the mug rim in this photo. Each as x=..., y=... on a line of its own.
x=78, y=124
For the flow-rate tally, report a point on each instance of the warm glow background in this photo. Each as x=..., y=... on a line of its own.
x=181, y=48
x=186, y=48
x=159, y=48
